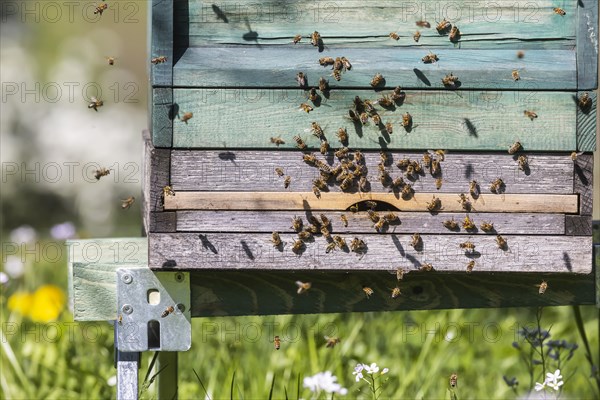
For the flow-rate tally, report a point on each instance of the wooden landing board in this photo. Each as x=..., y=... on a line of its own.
x=248, y=118
x=556, y=254
x=277, y=68
x=527, y=203
x=252, y=170
x=503, y=23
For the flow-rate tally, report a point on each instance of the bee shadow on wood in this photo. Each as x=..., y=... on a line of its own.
x=421, y=76
x=320, y=45
x=384, y=132
x=169, y=264
x=227, y=156
x=382, y=142
x=317, y=100
x=413, y=260
x=247, y=250
x=581, y=175
x=251, y=36
x=469, y=170
x=472, y=254
x=220, y=13
x=206, y=244
x=173, y=111
x=398, y=245
x=567, y=261
x=470, y=127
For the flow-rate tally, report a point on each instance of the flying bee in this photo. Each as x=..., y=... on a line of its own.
x=304, y=235
x=377, y=80
x=159, y=60
x=430, y=58
x=468, y=246
x=344, y=220
x=454, y=34
x=450, y=224
x=443, y=26
x=543, y=286
x=111, y=60
x=395, y=292
x=331, y=342
x=474, y=189
x=470, y=266
x=560, y=11
x=464, y=202
x=435, y=204
x=450, y=80
x=501, y=242
x=277, y=141
x=186, y=117
x=346, y=63
x=287, y=181
x=315, y=39
x=416, y=242
x=358, y=245
x=337, y=75
x=438, y=183
x=276, y=239
x=339, y=241
x=277, y=342
x=297, y=39
x=530, y=114
x=323, y=85
x=497, y=186
x=125, y=204
x=373, y=215
x=468, y=223
x=279, y=171
x=523, y=162
x=100, y=173
x=516, y=146
x=364, y=118
x=120, y=319
x=301, y=79
x=487, y=226
x=297, y=224
x=303, y=286
x=306, y=107
x=368, y=291
x=515, y=75
x=95, y=103
x=454, y=378
x=326, y=61
x=406, y=120
x=168, y=310
x=426, y=267
x=416, y=36
x=520, y=54
x=299, y=142
x=330, y=247
x=394, y=35
x=324, y=147
x=376, y=119
x=298, y=246
x=100, y=8
x=423, y=24
x=407, y=191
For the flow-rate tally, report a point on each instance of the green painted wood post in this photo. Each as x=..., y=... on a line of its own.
x=167, y=379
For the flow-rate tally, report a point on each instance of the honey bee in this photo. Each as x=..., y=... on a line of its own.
x=385, y=101
x=310, y=159
x=468, y=223
x=342, y=135
x=453, y=380
x=406, y=120
x=344, y=220
x=277, y=141
x=364, y=118
x=574, y=155
x=384, y=177
x=395, y=292
x=313, y=95
x=468, y=246
x=450, y=80
x=339, y=241
x=403, y=163
x=276, y=239
x=317, y=130
x=277, y=342
x=416, y=242
x=111, y=60
x=297, y=223
x=430, y=58
x=297, y=39
x=454, y=34
x=320, y=183
x=516, y=146
x=373, y=215
x=560, y=11
x=95, y=103
x=342, y=153
x=407, y=191
x=376, y=119
x=377, y=80
x=497, y=186
x=443, y=26
x=426, y=267
x=324, y=220
x=298, y=246
x=331, y=341
x=306, y=107
x=338, y=65
x=389, y=128
x=474, y=189
x=168, y=310
x=363, y=184
x=125, y=204
x=450, y=224
x=337, y=75
x=299, y=142
x=438, y=183
x=400, y=273
x=325, y=232
x=168, y=191
x=314, y=229
x=159, y=60
x=353, y=208
x=523, y=162
x=585, y=101
x=398, y=183
x=464, y=202
x=501, y=242
x=520, y=54
x=330, y=247
x=358, y=245
x=100, y=8
x=304, y=235
x=435, y=204
x=416, y=36
x=324, y=147
x=515, y=75
x=371, y=205
x=391, y=217
x=353, y=116
x=315, y=38
x=301, y=79
x=279, y=171
x=394, y=35
x=323, y=85
x=380, y=225
x=368, y=291
x=100, y=173
x=487, y=226
x=287, y=181
x=543, y=286
x=120, y=319
x=346, y=63
x=326, y=61
x=530, y=114
x=303, y=286
x=398, y=95
x=470, y=266
x=427, y=159
x=423, y=24
x=186, y=117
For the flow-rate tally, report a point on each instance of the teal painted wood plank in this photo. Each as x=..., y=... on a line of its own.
x=586, y=123
x=162, y=114
x=161, y=42
x=515, y=24
x=247, y=118
x=476, y=69
x=587, y=45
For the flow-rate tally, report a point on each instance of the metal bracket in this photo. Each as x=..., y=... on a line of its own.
x=153, y=310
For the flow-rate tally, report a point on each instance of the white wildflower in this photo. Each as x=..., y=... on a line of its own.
x=358, y=371
x=14, y=267
x=23, y=234
x=371, y=369
x=63, y=231
x=554, y=380
x=539, y=386
x=324, y=381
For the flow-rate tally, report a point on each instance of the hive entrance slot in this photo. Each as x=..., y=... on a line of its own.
x=365, y=205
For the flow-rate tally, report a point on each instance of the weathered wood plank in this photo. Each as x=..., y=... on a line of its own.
x=476, y=69
x=161, y=42
x=483, y=25
x=162, y=115
x=597, y=268
x=280, y=221
x=441, y=119
x=578, y=225
x=586, y=123
x=564, y=254
x=163, y=222
x=583, y=182
x=587, y=45
x=157, y=164
x=340, y=201
x=254, y=170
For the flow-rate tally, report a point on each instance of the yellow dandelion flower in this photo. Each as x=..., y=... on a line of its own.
x=20, y=302
x=48, y=302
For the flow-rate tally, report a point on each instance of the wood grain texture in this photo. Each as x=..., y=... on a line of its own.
x=586, y=123
x=559, y=254
x=276, y=68
x=280, y=221
x=253, y=170
x=248, y=118
x=587, y=45
x=162, y=114
x=163, y=222
x=340, y=201
x=161, y=42
x=578, y=225
x=157, y=171
x=503, y=23
x=583, y=182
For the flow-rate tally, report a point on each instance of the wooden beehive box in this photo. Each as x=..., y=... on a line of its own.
x=234, y=65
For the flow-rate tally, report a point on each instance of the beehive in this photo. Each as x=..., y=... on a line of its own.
x=522, y=69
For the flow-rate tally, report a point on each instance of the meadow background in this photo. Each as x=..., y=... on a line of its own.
x=53, y=60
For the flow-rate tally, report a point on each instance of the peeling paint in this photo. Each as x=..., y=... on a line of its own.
x=591, y=32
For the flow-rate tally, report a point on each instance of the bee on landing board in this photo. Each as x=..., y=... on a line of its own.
x=186, y=117
x=530, y=114
x=297, y=39
x=277, y=141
